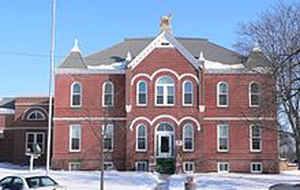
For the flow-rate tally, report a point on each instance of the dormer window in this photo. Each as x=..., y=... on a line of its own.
x=36, y=115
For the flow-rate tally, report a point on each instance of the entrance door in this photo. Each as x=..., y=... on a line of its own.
x=164, y=145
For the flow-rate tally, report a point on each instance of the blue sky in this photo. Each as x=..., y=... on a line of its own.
x=25, y=31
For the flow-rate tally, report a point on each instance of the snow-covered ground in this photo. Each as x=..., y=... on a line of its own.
x=89, y=180
x=80, y=180
x=235, y=181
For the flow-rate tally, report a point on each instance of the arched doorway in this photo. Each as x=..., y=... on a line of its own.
x=164, y=141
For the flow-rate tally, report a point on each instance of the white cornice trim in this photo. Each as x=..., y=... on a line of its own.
x=238, y=118
x=25, y=128
x=156, y=43
x=179, y=77
x=89, y=118
x=87, y=71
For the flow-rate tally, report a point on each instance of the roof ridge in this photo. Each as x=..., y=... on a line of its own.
x=176, y=37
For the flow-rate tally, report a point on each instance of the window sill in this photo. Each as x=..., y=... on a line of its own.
x=188, y=151
x=223, y=151
x=141, y=105
x=219, y=106
x=255, y=151
x=74, y=151
x=164, y=105
x=75, y=107
x=107, y=151
x=254, y=106
x=141, y=151
x=187, y=105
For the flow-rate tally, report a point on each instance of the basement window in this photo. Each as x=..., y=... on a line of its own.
x=108, y=166
x=141, y=166
x=256, y=167
x=223, y=167
x=73, y=166
x=188, y=167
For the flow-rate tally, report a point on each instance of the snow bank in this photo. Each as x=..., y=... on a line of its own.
x=80, y=180
x=216, y=65
x=235, y=181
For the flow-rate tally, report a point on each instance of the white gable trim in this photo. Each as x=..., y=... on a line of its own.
x=157, y=43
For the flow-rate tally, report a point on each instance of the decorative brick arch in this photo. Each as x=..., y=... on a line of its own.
x=178, y=122
x=179, y=77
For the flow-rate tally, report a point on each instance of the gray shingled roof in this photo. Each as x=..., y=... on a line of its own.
x=74, y=60
x=119, y=51
x=7, y=103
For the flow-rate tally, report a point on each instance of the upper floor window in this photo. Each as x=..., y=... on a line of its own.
x=222, y=94
x=108, y=137
x=76, y=93
x=108, y=94
x=255, y=138
x=187, y=93
x=188, y=138
x=36, y=115
x=141, y=138
x=254, y=94
x=223, y=138
x=141, y=91
x=75, y=138
x=165, y=91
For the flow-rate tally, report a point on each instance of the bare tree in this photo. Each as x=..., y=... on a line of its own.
x=277, y=34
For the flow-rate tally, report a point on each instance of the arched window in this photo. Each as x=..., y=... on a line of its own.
x=187, y=93
x=254, y=94
x=188, y=138
x=222, y=94
x=108, y=94
x=165, y=91
x=141, y=91
x=76, y=93
x=141, y=138
x=36, y=115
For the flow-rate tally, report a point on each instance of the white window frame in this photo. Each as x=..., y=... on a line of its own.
x=112, y=138
x=111, y=167
x=165, y=92
x=250, y=132
x=112, y=94
x=257, y=94
x=256, y=163
x=188, y=162
x=219, y=93
x=70, y=137
x=36, y=112
x=137, y=136
x=218, y=136
x=35, y=139
x=74, y=163
x=141, y=162
x=183, y=93
x=138, y=92
x=225, y=163
x=183, y=138
x=80, y=94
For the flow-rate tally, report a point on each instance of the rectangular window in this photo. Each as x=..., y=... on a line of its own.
x=73, y=166
x=75, y=138
x=108, y=165
x=223, y=167
x=255, y=138
x=34, y=138
x=188, y=167
x=256, y=167
x=170, y=95
x=160, y=95
x=141, y=166
x=223, y=138
x=108, y=138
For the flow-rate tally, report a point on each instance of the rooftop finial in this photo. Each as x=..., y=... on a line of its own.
x=128, y=57
x=75, y=47
x=165, y=24
x=201, y=57
x=256, y=47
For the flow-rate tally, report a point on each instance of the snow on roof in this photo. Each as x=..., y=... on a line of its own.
x=216, y=65
x=114, y=66
x=7, y=111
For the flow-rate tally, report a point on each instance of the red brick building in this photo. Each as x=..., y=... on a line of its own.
x=23, y=122
x=185, y=100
